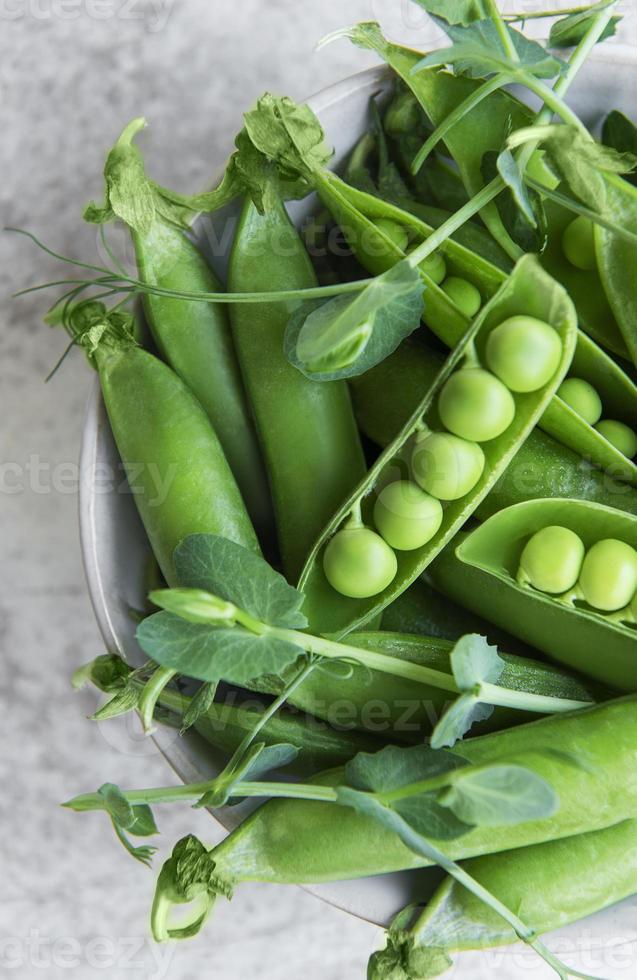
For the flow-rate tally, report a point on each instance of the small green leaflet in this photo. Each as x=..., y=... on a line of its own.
x=428, y=816
x=512, y=177
x=569, y=31
x=394, y=767
x=108, y=672
x=455, y=11
x=259, y=760
x=345, y=337
x=499, y=795
x=195, y=605
x=620, y=133
x=213, y=653
x=188, y=874
x=473, y=661
x=530, y=236
x=198, y=706
x=228, y=570
x=288, y=134
x=136, y=820
x=477, y=52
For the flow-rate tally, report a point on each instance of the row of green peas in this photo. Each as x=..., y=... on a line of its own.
x=475, y=405
x=555, y=561
x=584, y=399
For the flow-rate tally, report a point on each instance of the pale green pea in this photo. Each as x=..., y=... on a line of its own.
x=463, y=294
x=524, y=353
x=406, y=516
x=475, y=405
x=435, y=267
x=358, y=563
x=446, y=466
x=396, y=232
x=578, y=244
x=582, y=398
x=552, y=559
x=621, y=436
x=608, y=579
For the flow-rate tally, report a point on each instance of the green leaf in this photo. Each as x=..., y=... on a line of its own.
x=500, y=795
x=512, y=177
x=530, y=237
x=188, y=874
x=427, y=816
x=198, y=706
x=137, y=820
x=474, y=660
x=288, y=134
x=394, y=767
x=620, y=133
x=345, y=337
x=195, y=605
x=455, y=11
x=212, y=653
x=120, y=704
x=477, y=52
x=226, y=569
x=109, y=672
x=569, y=31
x=259, y=760
x=466, y=711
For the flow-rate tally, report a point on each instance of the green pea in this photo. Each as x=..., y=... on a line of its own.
x=552, y=559
x=446, y=466
x=464, y=294
x=435, y=267
x=396, y=232
x=406, y=516
x=524, y=352
x=358, y=563
x=582, y=398
x=475, y=405
x=621, y=436
x=578, y=244
x=609, y=575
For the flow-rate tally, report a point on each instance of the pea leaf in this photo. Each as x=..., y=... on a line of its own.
x=427, y=816
x=512, y=177
x=259, y=760
x=455, y=11
x=198, y=706
x=394, y=767
x=345, y=337
x=288, y=134
x=136, y=820
x=474, y=660
x=466, y=711
x=119, y=704
x=109, y=672
x=188, y=874
x=531, y=237
x=227, y=570
x=569, y=31
x=499, y=795
x=212, y=653
x=620, y=133
x=477, y=52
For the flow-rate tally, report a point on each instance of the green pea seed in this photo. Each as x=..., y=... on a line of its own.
x=435, y=267
x=358, y=563
x=446, y=466
x=524, y=353
x=582, y=398
x=552, y=559
x=475, y=405
x=578, y=244
x=406, y=516
x=396, y=232
x=608, y=579
x=621, y=436
x=464, y=294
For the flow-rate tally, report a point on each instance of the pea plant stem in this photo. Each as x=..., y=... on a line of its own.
x=503, y=31
x=150, y=695
x=545, y=14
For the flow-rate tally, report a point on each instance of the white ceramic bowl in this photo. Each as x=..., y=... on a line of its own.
x=115, y=552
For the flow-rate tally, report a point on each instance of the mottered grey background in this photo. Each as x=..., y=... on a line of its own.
x=72, y=73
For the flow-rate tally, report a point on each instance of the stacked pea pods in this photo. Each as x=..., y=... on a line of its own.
x=384, y=455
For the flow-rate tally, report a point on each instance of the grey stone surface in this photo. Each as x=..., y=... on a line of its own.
x=72, y=72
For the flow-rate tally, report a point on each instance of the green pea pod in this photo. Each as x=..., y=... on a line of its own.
x=180, y=478
x=403, y=711
x=543, y=881
x=617, y=258
x=543, y=466
x=485, y=128
x=194, y=338
x=481, y=571
x=307, y=429
x=528, y=290
x=472, y=235
x=299, y=841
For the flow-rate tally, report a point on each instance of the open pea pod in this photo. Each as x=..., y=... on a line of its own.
x=529, y=290
x=600, y=298
x=356, y=211
x=481, y=573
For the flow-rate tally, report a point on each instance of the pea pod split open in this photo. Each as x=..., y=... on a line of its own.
x=481, y=573
x=528, y=290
